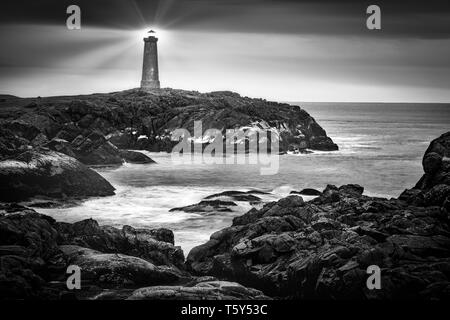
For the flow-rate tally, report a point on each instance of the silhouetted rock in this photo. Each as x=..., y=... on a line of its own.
x=434, y=186
x=307, y=192
x=207, y=206
x=237, y=195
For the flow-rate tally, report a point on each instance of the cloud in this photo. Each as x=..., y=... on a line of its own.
x=400, y=18
x=283, y=50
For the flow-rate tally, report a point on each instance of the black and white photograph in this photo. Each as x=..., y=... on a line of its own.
x=252, y=151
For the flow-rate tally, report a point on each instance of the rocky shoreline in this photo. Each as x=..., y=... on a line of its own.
x=288, y=249
x=92, y=128
x=46, y=144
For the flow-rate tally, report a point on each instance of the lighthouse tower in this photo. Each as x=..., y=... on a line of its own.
x=150, y=74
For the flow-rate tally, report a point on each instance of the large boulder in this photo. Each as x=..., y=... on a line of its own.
x=49, y=173
x=112, y=269
x=153, y=245
x=94, y=149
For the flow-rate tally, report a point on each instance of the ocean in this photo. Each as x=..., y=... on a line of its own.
x=380, y=147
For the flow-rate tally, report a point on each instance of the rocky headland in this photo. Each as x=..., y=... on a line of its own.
x=46, y=143
x=287, y=249
x=92, y=128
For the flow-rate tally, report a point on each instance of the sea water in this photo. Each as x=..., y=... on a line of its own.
x=380, y=147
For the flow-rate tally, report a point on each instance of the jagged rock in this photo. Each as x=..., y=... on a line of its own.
x=40, y=140
x=11, y=144
x=29, y=254
x=49, y=173
x=94, y=149
x=62, y=146
x=155, y=246
x=207, y=290
x=125, y=116
x=321, y=248
x=21, y=128
x=33, y=262
x=69, y=132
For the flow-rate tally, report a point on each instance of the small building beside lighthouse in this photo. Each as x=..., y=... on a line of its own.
x=150, y=73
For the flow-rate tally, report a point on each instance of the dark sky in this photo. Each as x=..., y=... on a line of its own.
x=277, y=49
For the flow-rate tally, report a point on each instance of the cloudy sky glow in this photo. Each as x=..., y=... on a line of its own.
x=280, y=50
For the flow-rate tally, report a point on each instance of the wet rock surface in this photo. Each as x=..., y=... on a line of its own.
x=35, y=252
x=128, y=263
x=322, y=248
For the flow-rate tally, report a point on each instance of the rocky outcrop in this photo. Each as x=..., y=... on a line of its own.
x=93, y=149
x=434, y=186
x=135, y=157
x=321, y=248
x=96, y=150
x=113, y=269
x=138, y=264
x=35, y=252
x=51, y=174
x=29, y=254
x=155, y=246
x=91, y=127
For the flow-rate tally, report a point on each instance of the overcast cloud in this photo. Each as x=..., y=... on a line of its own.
x=282, y=50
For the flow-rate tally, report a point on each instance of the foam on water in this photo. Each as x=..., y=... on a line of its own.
x=381, y=150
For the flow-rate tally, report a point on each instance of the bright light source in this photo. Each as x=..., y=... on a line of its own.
x=159, y=33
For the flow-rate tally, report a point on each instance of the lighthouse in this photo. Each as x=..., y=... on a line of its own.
x=150, y=73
